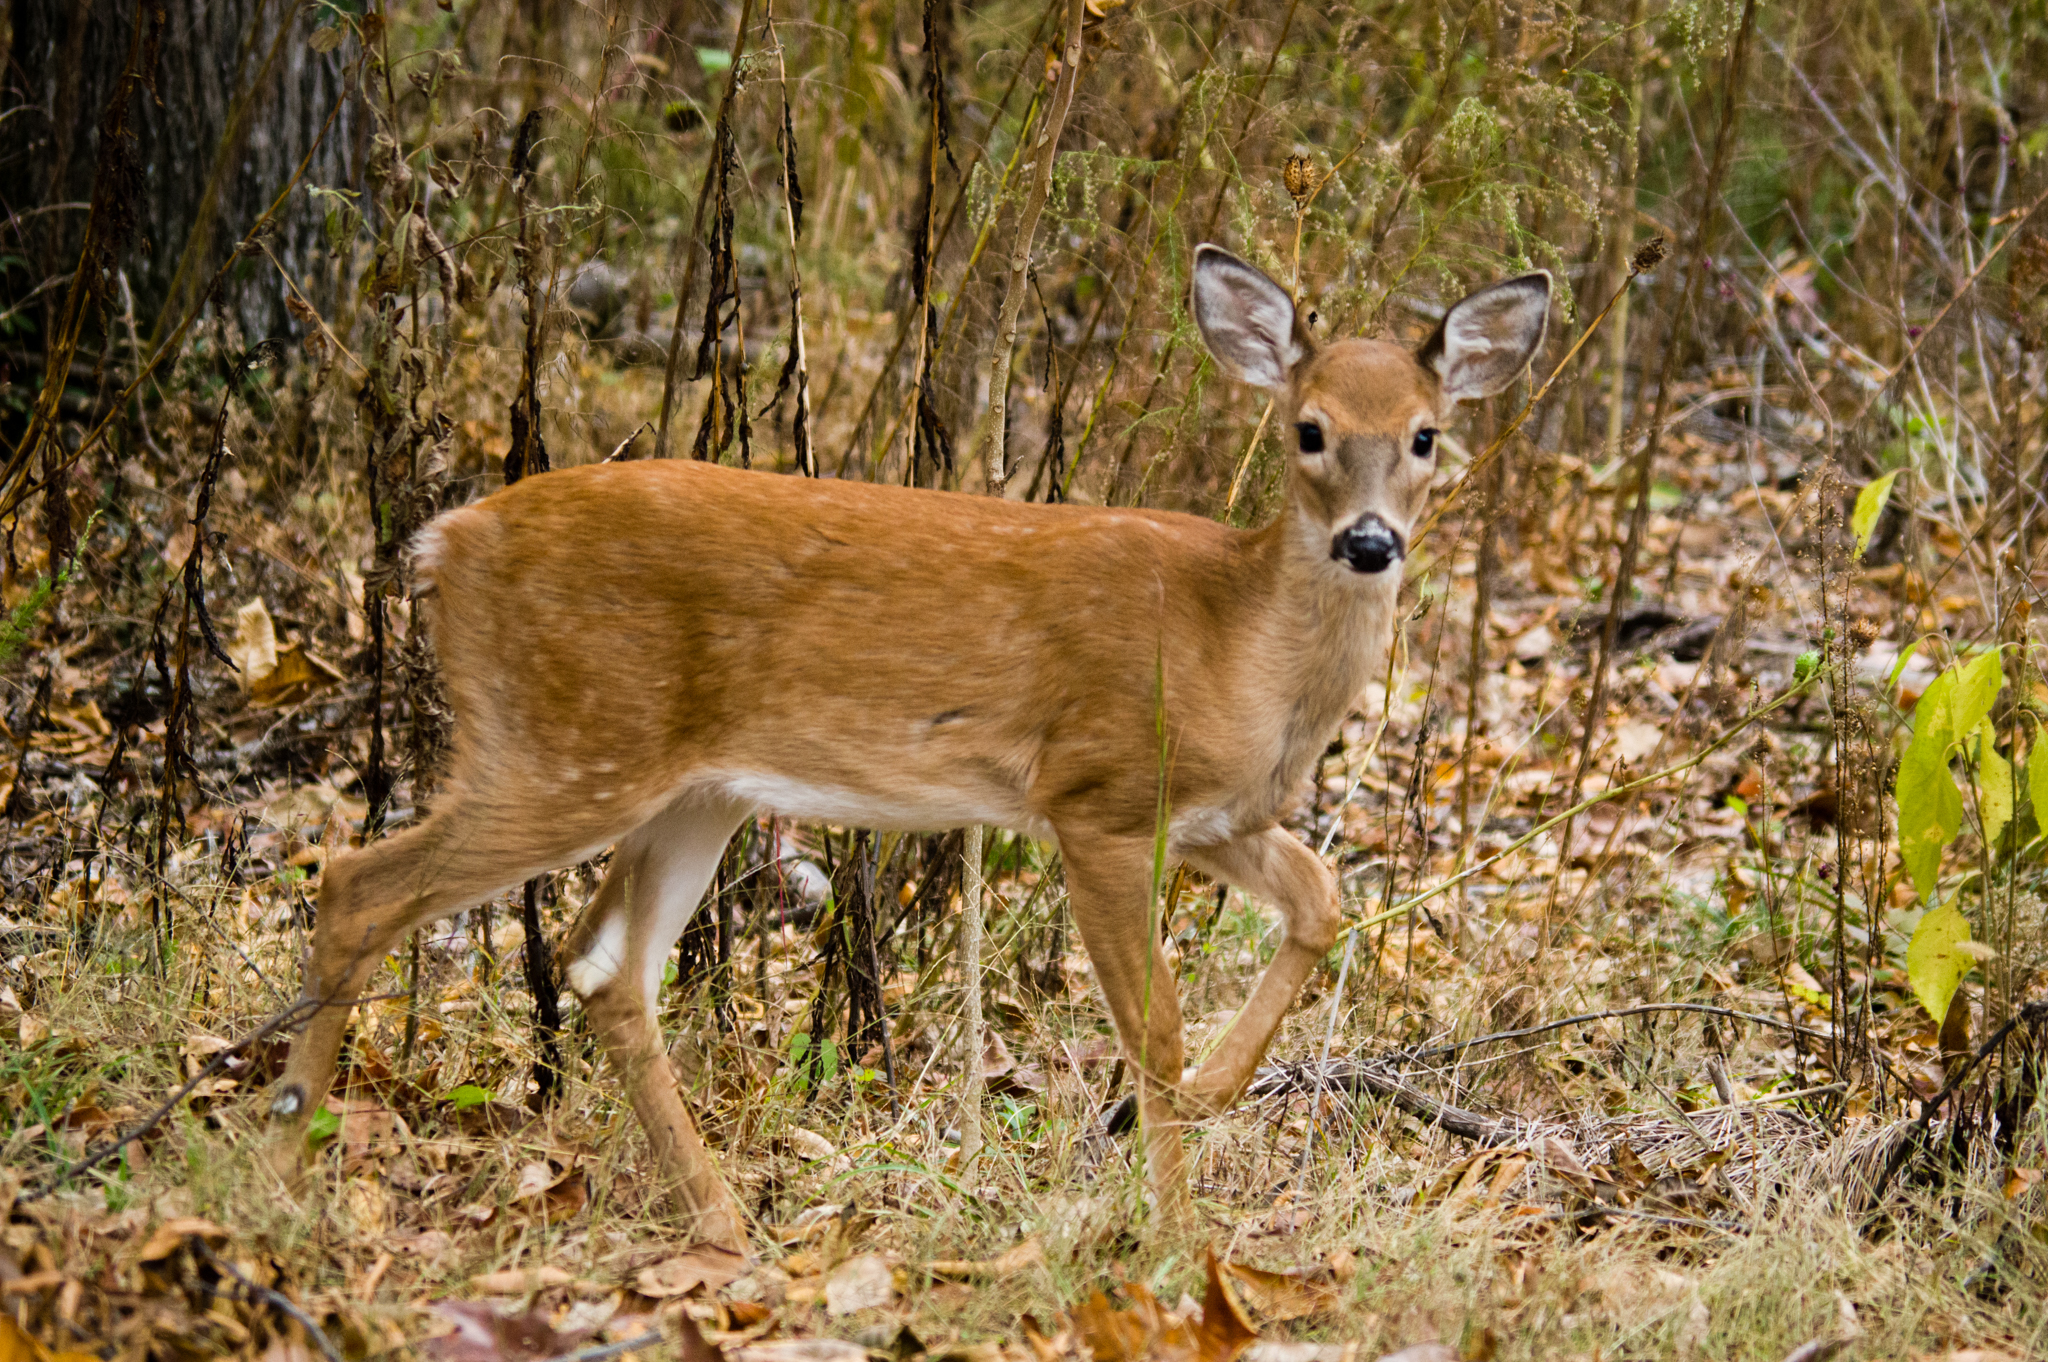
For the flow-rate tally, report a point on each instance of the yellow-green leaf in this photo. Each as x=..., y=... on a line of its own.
x=1930, y=810
x=1869, y=506
x=2037, y=776
x=1977, y=686
x=1994, y=783
x=1937, y=958
x=1933, y=727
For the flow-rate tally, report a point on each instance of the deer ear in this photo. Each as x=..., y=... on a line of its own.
x=1246, y=320
x=1487, y=339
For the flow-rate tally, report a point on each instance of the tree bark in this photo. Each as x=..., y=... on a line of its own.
x=239, y=98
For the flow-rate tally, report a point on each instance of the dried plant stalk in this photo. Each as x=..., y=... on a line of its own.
x=993, y=447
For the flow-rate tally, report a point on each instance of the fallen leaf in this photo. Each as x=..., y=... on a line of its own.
x=811, y=1145
x=1148, y=1332
x=17, y=1346
x=253, y=649
x=1294, y=1294
x=426, y=1244
x=483, y=1335
x=1635, y=740
x=863, y=1282
x=705, y=1265
x=170, y=1236
x=517, y=1281
x=1286, y=1350
x=691, y=1343
x=545, y=1195
x=1534, y=643
x=1009, y=1263
x=800, y=1350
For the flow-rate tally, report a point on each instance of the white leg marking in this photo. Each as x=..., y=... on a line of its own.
x=601, y=963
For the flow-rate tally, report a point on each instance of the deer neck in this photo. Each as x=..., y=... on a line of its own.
x=1323, y=630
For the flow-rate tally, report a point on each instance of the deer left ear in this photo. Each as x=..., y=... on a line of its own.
x=1487, y=339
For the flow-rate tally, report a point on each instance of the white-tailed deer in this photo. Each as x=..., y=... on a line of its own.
x=642, y=655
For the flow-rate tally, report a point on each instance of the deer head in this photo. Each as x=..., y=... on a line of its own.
x=1362, y=416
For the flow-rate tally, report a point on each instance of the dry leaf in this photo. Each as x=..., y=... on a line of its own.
x=170, y=1236
x=811, y=1145
x=1009, y=1263
x=691, y=1344
x=706, y=1265
x=296, y=673
x=1286, y=1350
x=1294, y=1294
x=253, y=649
x=863, y=1282
x=546, y=1195
x=483, y=1335
x=517, y=1281
x=1148, y=1332
x=800, y=1350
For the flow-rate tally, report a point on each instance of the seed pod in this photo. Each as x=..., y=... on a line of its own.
x=1647, y=255
x=1300, y=176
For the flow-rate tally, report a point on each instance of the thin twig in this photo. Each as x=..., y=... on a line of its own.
x=2030, y=1014
x=1458, y=1047
x=275, y=1299
x=290, y=1018
x=1449, y=882
x=1055, y=121
x=604, y=1350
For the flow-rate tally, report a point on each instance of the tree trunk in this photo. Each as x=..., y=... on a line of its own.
x=240, y=96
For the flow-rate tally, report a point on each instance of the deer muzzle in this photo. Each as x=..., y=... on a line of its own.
x=1369, y=545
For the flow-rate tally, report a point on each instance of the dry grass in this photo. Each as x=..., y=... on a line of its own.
x=1677, y=1184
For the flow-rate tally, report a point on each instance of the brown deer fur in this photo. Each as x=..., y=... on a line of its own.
x=645, y=654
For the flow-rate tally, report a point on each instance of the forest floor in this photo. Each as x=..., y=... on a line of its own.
x=1696, y=1167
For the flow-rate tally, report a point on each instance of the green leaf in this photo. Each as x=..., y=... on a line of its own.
x=828, y=1061
x=1930, y=807
x=324, y=1126
x=467, y=1096
x=1870, y=504
x=714, y=59
x=1976, y=690
x=1937, y=958
x=1994, y=783
x=1891, y=682
x=2037, y=776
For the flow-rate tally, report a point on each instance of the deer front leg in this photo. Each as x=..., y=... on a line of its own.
x=1275, y=867
x=615, y=955
x=1109, y=885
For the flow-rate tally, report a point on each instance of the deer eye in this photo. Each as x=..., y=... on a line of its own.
x=1311, y=437
x=1425, y=443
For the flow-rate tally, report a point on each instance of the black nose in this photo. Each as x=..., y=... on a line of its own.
x=1370, y=545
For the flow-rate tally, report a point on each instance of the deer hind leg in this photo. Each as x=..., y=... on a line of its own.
x=1109, y=884
x=1276, y=867
x=616, y=954
x=369, y=900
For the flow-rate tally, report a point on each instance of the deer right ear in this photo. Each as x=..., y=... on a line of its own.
x=1246, y=319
